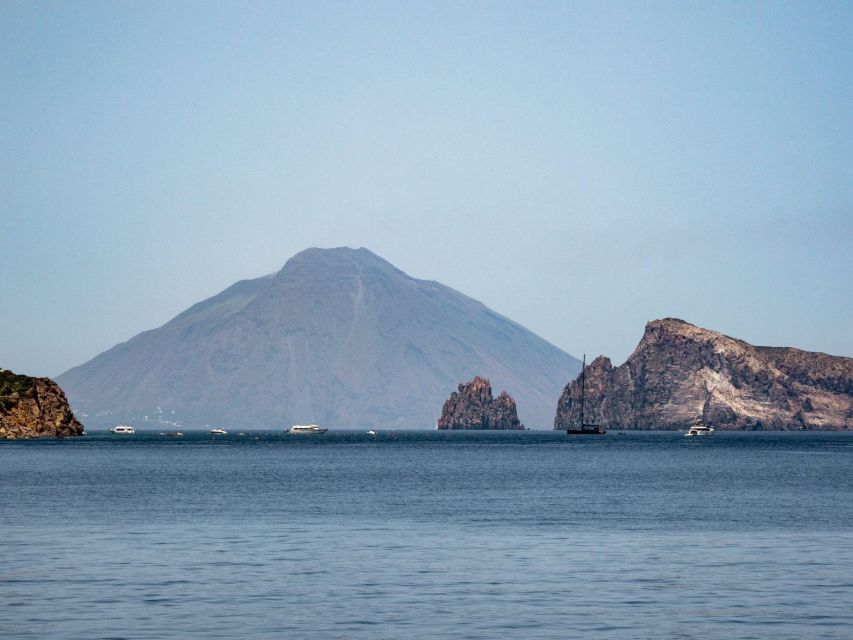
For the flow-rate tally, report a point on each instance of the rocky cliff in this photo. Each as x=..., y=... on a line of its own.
x=473, y=407
x=34, y=408
x=680, y=372
x=338, y=336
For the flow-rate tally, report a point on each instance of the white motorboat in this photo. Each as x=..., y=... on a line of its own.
x=218, y=432
x=124, y=429
x=699, y=429
x=306, y=429
x=371, y=433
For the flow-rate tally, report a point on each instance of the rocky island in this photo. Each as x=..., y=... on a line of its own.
x=680, y=373
x=34, y=408
x=473, y=407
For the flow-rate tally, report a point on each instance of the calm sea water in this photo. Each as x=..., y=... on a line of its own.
x=428, y=535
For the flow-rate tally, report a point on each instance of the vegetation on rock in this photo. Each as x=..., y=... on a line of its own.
x=34, y=407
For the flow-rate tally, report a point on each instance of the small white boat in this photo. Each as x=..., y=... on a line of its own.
x=218, y=432
x=371, y=433
x=306, y=429
x=123, y=428
x=699, y=429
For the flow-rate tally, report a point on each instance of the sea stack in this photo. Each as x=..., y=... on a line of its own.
x=34, y=408
x=473, y=407
x=680, y=373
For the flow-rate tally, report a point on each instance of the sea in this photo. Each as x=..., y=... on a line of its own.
x=427, y=534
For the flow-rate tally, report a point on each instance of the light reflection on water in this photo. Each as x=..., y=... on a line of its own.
x=428, y=535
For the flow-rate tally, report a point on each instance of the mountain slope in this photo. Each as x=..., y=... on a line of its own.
x=679, y=373
x=338, y=336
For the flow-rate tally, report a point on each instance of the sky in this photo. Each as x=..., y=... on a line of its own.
x=580, y=167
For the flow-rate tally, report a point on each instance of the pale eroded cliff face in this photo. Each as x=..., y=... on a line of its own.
x=680, y=372
x=34, y=408
x=473, y=407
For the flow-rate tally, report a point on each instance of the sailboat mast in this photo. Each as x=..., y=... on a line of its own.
x=592, y=428
x=583, y=386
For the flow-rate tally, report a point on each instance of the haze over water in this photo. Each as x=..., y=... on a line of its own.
x=428, y=534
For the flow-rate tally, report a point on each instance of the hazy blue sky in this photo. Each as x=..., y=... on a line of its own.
x=579, y=167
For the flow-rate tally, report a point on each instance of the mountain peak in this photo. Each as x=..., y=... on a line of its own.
x=678, y=327
x=338, y=336
x=337, y=258
x=658, y=331
x=671, y=324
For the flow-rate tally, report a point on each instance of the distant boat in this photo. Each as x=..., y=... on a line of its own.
x=123, y=428
x=218, y=432
x=585, y=429
x=175, y=434
x=371, y=433
x=306, y=429
x=699, y=429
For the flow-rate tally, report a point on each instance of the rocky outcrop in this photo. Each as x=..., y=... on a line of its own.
x=680, y=372
x=34, y=408
x=473, y=407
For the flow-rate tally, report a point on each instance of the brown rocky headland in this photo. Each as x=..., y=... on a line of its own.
x=680, y=373
x=34, y=408
x=473, y=407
